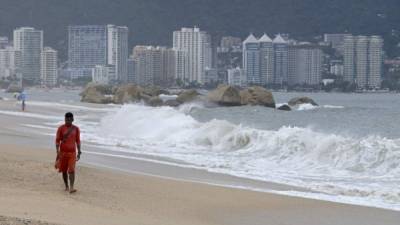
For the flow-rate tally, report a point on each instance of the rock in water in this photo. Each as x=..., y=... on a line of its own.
x=127, y=93
x=225, y=95
x=187, y=96
x=257, y=96
x=93, y=96
x=302, y=100
x=155, y=101
x=284, y=108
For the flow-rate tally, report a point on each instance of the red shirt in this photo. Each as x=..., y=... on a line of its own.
x=73, y=139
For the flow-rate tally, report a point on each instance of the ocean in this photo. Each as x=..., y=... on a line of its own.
x=347, y=149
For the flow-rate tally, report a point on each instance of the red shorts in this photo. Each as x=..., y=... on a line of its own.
x=66, y=162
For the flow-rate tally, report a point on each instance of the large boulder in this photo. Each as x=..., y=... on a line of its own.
x=301, y=100
x=257, y=96
x=128, y=93
x=225, y=95
x=187, y=96
x=101, y=88
x=93, y=96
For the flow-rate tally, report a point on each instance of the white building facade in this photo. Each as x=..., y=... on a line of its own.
x=117, y=50
x=197, y=45
x=29, y=42
x=363, y=60
x=49, y=68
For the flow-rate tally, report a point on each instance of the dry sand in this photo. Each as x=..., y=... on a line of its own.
x=32, y=191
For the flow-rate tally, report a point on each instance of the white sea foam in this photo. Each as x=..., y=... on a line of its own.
x=308, y=106
x=333, y=106
x=363, y=168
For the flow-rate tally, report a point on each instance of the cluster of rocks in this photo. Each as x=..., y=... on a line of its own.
x=223, y=95
x=106, y=94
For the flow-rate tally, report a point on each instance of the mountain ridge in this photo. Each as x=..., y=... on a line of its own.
x=153, y=21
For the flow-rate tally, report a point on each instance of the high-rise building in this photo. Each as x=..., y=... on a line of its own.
x=361, y=50
x=280, y=60
x=10, y=62
x=167, y=67
x=91, y=45
x=251, y=60
x=87, y=47
x=267, y=60
x=117, y=50
x=148, y=65
x=349, y=59
x=181, y=66
x=49, y=68
x=363, y=58
x=197, y=45
x=304, y=65
x=375, y=53
x=29, y=42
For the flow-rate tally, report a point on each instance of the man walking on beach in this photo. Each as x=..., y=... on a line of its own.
x=67, y=141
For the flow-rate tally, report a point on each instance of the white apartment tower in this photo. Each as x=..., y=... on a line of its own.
x=251, y=60
x=280, y=60
x=49, y=69
x=363, y=60
x=29, y=42
x=266, y=60
x=117, y=50
x=375, y=61
x=148, y=65
x=197, y=45
x=305, y=65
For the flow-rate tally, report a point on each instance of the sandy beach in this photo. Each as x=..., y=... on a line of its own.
x=32, y=191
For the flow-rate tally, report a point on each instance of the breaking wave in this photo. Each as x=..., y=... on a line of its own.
x=354, y=167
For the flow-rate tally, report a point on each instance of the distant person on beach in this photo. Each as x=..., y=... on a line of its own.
x=22, y=98
x=67, y=142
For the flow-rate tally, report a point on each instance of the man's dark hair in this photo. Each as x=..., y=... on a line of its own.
x=69, y=115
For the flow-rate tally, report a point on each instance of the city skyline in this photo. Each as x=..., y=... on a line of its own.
x=272, y=57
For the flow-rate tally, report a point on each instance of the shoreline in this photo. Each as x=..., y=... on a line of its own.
x=33, y=190
x=156, y=166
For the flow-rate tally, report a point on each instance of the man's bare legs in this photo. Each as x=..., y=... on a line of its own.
x=65, y=178
x=72, y=181
x=71, y=177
